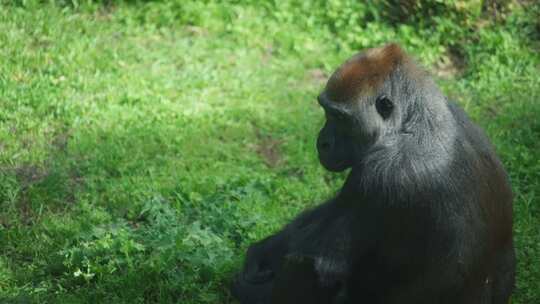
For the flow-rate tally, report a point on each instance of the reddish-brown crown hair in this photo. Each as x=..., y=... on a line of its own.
x=364, y=72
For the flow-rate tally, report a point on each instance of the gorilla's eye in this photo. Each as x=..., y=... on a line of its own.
x=384, y=106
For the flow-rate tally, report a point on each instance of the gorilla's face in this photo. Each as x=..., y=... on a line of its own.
x=335, y=144
x=352, y=128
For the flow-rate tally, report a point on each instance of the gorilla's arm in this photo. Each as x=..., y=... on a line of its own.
x=312, y=255
x=264, y=258
x=253, y=285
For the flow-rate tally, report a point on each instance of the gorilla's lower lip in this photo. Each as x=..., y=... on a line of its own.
x=337, y=167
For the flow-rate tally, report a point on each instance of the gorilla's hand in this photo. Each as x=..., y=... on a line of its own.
x=257, y=268
x=254, y=284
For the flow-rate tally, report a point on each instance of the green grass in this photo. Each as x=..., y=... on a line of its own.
x=144, y=145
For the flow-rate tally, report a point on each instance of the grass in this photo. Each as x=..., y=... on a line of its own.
x=144, y=145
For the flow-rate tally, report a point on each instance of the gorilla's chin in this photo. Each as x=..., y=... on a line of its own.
x=333, y=165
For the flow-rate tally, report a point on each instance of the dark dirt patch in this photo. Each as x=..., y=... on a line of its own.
x=55, y=172
x=60, y=141
x=28, y=175
x=268, y=149
x=452, y=64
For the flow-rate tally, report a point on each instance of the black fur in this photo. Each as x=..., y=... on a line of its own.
x=425, y=215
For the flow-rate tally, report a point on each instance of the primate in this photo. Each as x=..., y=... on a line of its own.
x=424, y=216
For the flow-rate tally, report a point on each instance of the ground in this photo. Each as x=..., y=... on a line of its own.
x=144, y=145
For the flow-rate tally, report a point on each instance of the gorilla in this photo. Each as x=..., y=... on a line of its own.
x=424, y=216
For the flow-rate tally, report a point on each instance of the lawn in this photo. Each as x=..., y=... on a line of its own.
x=144, y=145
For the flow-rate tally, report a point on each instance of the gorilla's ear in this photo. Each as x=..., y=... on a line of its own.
x=298, y=282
